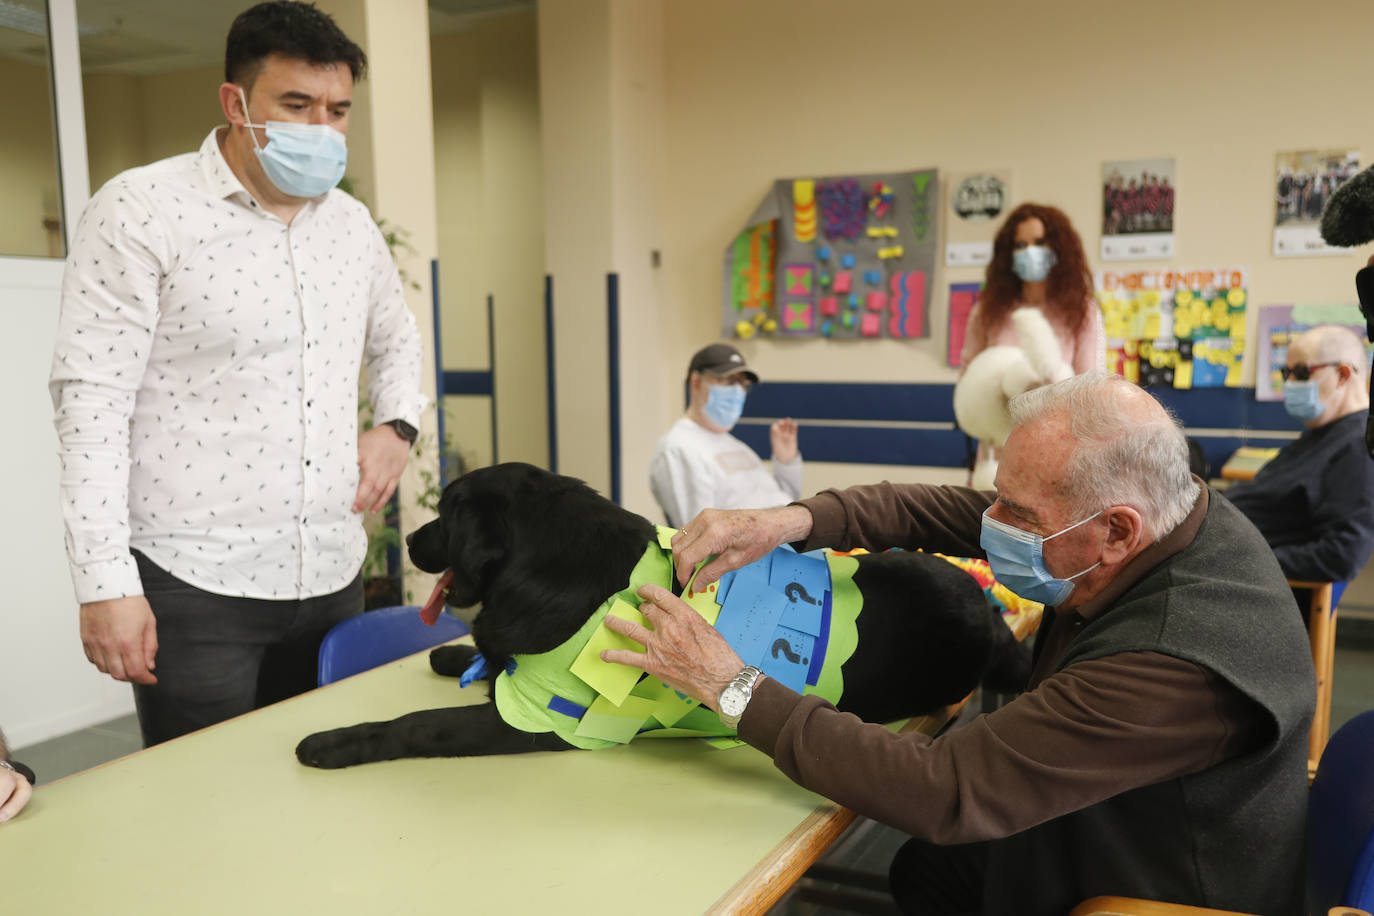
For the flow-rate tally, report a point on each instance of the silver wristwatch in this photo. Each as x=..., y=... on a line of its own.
x=735, y=697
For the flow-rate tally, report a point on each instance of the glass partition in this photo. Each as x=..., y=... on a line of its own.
x=31, y=224
x=150, y=74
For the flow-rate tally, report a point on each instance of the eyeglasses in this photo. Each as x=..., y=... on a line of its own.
x=1303, y=373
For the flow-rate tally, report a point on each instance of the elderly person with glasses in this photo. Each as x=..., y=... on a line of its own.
x=1314, y=503
x=1160, y=746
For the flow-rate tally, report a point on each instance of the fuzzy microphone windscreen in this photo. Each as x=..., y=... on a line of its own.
x=1349, y=216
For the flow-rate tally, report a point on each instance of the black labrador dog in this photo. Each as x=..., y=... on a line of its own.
x=538, y=553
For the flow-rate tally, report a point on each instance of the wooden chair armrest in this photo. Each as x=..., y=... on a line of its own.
x=1132, y=906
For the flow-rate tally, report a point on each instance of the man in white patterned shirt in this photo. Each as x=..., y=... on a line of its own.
x=217, y=308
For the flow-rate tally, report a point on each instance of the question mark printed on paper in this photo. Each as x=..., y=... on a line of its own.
x=783, y=646
x=795, y=592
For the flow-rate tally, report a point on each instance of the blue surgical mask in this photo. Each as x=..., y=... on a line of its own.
x=724, y=404
x=1033, y=263
x=1301, y=400
x=302, y=160
x=1017, y=560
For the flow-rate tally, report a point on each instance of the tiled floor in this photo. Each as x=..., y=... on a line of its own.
x=862, y=853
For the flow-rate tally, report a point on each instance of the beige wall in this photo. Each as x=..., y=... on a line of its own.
x=28, y=163
x=489, y=184
x=575, y=96
x=133, y=120
x=775, y=88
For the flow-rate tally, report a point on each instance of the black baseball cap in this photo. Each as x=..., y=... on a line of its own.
x=721, y=359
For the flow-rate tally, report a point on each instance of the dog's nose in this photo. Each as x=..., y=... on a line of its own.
x=409, y=538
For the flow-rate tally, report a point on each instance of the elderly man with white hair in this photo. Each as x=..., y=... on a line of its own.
x=1314, y=503
x=1160, y=746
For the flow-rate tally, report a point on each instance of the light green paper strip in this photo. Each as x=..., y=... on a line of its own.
x=665, y=536
x=522, y=697
x=608, y=722
x=668, y=707
x=613, y=682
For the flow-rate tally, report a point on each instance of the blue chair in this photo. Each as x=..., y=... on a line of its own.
x=1340, y=821
x=376, y=637
x=1340, y=835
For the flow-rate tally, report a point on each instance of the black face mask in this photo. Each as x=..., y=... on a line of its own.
x=1364, y=285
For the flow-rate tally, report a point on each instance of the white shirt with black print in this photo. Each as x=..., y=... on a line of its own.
x=205, y=382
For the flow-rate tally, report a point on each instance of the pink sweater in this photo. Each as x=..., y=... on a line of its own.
x=1084, y=351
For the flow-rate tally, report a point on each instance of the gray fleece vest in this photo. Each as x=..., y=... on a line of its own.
x=1230, y=837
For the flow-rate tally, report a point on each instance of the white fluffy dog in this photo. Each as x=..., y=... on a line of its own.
x=998, y=374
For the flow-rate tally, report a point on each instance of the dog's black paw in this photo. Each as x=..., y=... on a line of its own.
x=339, y=747
x=452, y=661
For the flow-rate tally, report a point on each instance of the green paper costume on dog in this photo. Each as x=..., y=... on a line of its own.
x=539, y=693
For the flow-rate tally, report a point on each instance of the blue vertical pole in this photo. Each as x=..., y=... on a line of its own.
x=438, y=362
x=613, y=356
x=549, y=372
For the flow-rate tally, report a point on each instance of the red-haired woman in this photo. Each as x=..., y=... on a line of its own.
x=1038, y=261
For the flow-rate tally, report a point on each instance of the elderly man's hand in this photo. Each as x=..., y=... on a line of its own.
x=682, y=649
x=14, y=793
x=737, y=537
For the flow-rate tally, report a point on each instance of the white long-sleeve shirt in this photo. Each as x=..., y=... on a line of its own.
x=205, y=382
x=694, y=468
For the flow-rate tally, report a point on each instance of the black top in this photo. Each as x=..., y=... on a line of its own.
x=1314, y=503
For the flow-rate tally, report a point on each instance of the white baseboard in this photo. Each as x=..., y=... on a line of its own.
x=20, y=733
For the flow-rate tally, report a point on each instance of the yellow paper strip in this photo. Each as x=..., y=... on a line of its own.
x=611, y=681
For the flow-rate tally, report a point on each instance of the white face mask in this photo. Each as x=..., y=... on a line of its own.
x=301, y=160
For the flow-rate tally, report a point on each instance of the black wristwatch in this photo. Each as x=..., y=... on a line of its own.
x=404, y=430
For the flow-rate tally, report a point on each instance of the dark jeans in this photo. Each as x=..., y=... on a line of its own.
x=930, y=880
x=219, y=657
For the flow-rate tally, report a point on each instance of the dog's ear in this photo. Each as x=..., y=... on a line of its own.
x=478, y=544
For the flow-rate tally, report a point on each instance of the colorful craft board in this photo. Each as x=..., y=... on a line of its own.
x=1277, y=324
x=839, y=248
x=962, y=298
x=907, y=300
x=1176, y=328
x=751, y=263
x=804, y=210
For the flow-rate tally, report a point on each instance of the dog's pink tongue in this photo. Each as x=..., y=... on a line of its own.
x=430, y=612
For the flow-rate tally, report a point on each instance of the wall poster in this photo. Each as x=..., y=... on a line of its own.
x=976, y=203
x=1138, y=197
x=843, y=257
x=1304, y=182
x=1178, y=328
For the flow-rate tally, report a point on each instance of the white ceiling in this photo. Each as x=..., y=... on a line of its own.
x=157, y=36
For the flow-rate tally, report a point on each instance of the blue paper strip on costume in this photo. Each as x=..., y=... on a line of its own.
x=805, y=618
x=750, y=615
x=803, y=581
x=477, y=669
x=567, y=707
x=823, y=641
x=752, y=577
x=510, y=666
x=723, y=587
x=788, y=657
x=810, y=573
